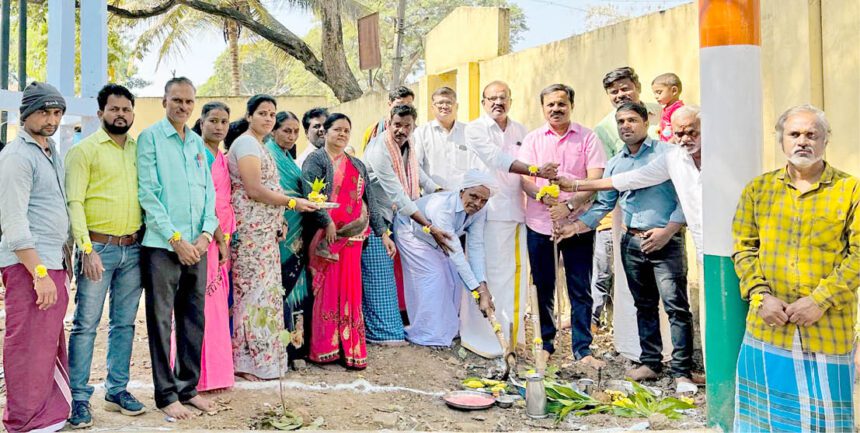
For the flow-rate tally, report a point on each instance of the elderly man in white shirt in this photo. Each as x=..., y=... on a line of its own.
x=496, y=139
x=441, y=144
x=682, y=165
x=433, y=279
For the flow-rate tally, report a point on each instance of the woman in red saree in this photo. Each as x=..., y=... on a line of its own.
x=337, y=324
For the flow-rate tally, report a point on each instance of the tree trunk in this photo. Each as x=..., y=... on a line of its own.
x=233, y=47
x=334, y=61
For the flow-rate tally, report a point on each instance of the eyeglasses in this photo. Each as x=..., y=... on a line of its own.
x=499, y=99
x=441, y=104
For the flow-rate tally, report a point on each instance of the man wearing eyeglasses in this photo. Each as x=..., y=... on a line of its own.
x=441, y=144
x=496, y=139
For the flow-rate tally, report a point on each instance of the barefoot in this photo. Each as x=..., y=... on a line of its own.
x=217, y=391
x=200, y=403
x=642, y=372
x=249, y=377
x=590, y=361
x=177, y=410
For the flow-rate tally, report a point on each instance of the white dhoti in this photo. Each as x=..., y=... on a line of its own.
x=507, y=278
x=432, y=289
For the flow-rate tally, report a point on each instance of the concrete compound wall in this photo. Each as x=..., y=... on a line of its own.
x=810, y=54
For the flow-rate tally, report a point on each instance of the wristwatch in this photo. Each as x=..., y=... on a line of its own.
x=570, y=206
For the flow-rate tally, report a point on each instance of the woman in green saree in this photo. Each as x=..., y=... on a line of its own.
x=297, y=302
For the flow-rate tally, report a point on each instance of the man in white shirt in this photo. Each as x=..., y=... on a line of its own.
x=312, y=121
x=441, y=144
x=496, y=139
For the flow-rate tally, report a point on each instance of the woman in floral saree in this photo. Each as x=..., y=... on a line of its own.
x=337, y=331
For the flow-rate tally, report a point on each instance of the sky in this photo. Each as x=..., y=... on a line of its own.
x=548, y=20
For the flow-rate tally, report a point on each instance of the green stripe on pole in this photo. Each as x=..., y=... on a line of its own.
x=725, y=321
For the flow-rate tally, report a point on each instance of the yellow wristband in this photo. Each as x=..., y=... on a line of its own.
x=388, y=232
x=41, y=271
x=426, y=229
x=476, y=294
x=176, y=237
x=291, y=204
x=87, y=248
x=226, y=237
x=533, y=169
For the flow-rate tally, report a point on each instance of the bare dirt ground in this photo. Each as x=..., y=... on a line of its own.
x=425, y=372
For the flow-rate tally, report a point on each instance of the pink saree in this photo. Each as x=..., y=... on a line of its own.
x=337, y=327
x=216, y=367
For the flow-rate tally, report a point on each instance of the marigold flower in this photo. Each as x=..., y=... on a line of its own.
x=291, y=204
x=687, y=400
x=755, y=301
x=176, y=236
x=475, y=294
x=88, y=248
x=533, y=170
x=41, y=271
x=549, y=190
x=426, y=229
x=537, y=340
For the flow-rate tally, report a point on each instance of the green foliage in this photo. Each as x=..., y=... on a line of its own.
x=564, y=400
x=263, y=69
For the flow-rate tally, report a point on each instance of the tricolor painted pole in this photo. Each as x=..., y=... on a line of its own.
x=730, y=74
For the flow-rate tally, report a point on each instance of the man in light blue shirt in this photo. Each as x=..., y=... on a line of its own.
x=431, y=279
x=652, y=249
x=178, y=198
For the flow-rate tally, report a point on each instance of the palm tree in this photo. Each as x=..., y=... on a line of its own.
x=177, y=29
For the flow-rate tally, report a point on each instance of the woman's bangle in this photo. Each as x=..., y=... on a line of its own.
x=576, y=185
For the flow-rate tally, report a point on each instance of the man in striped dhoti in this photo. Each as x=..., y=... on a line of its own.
x=796, y=234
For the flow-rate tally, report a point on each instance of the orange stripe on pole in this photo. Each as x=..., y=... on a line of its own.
x=729, y=22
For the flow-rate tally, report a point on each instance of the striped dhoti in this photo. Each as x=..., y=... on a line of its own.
x=782, y=390
x=507, y=278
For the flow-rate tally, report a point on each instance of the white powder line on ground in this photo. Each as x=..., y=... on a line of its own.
x=360, y=386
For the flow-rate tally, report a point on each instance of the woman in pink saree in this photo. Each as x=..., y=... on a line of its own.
x=337, y=325
x=216, y=367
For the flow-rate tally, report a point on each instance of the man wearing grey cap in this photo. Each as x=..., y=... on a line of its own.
x=35, y=226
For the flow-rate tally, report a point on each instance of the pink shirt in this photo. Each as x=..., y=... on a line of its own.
x=576, y=151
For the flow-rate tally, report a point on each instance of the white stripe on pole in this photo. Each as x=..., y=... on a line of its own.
x=731, y=95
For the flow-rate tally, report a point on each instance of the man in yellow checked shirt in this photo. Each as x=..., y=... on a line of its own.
x=797, y=254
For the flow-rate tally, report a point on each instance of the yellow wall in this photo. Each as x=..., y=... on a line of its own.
x=468, y=34
x=149, y=110
x=810, y=54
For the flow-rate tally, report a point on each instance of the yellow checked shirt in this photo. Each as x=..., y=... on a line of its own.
x=101, y=187
x=793, y=245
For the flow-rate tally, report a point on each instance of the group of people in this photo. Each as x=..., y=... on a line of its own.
x=251, y=257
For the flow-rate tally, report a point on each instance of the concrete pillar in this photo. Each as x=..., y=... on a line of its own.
x=94, y=54
x=730, y=70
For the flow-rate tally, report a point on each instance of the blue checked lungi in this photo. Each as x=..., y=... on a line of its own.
x=382, y=319
x=781, y=390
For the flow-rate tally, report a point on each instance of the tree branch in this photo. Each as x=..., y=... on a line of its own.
x=270, y=29
x=139, y=13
